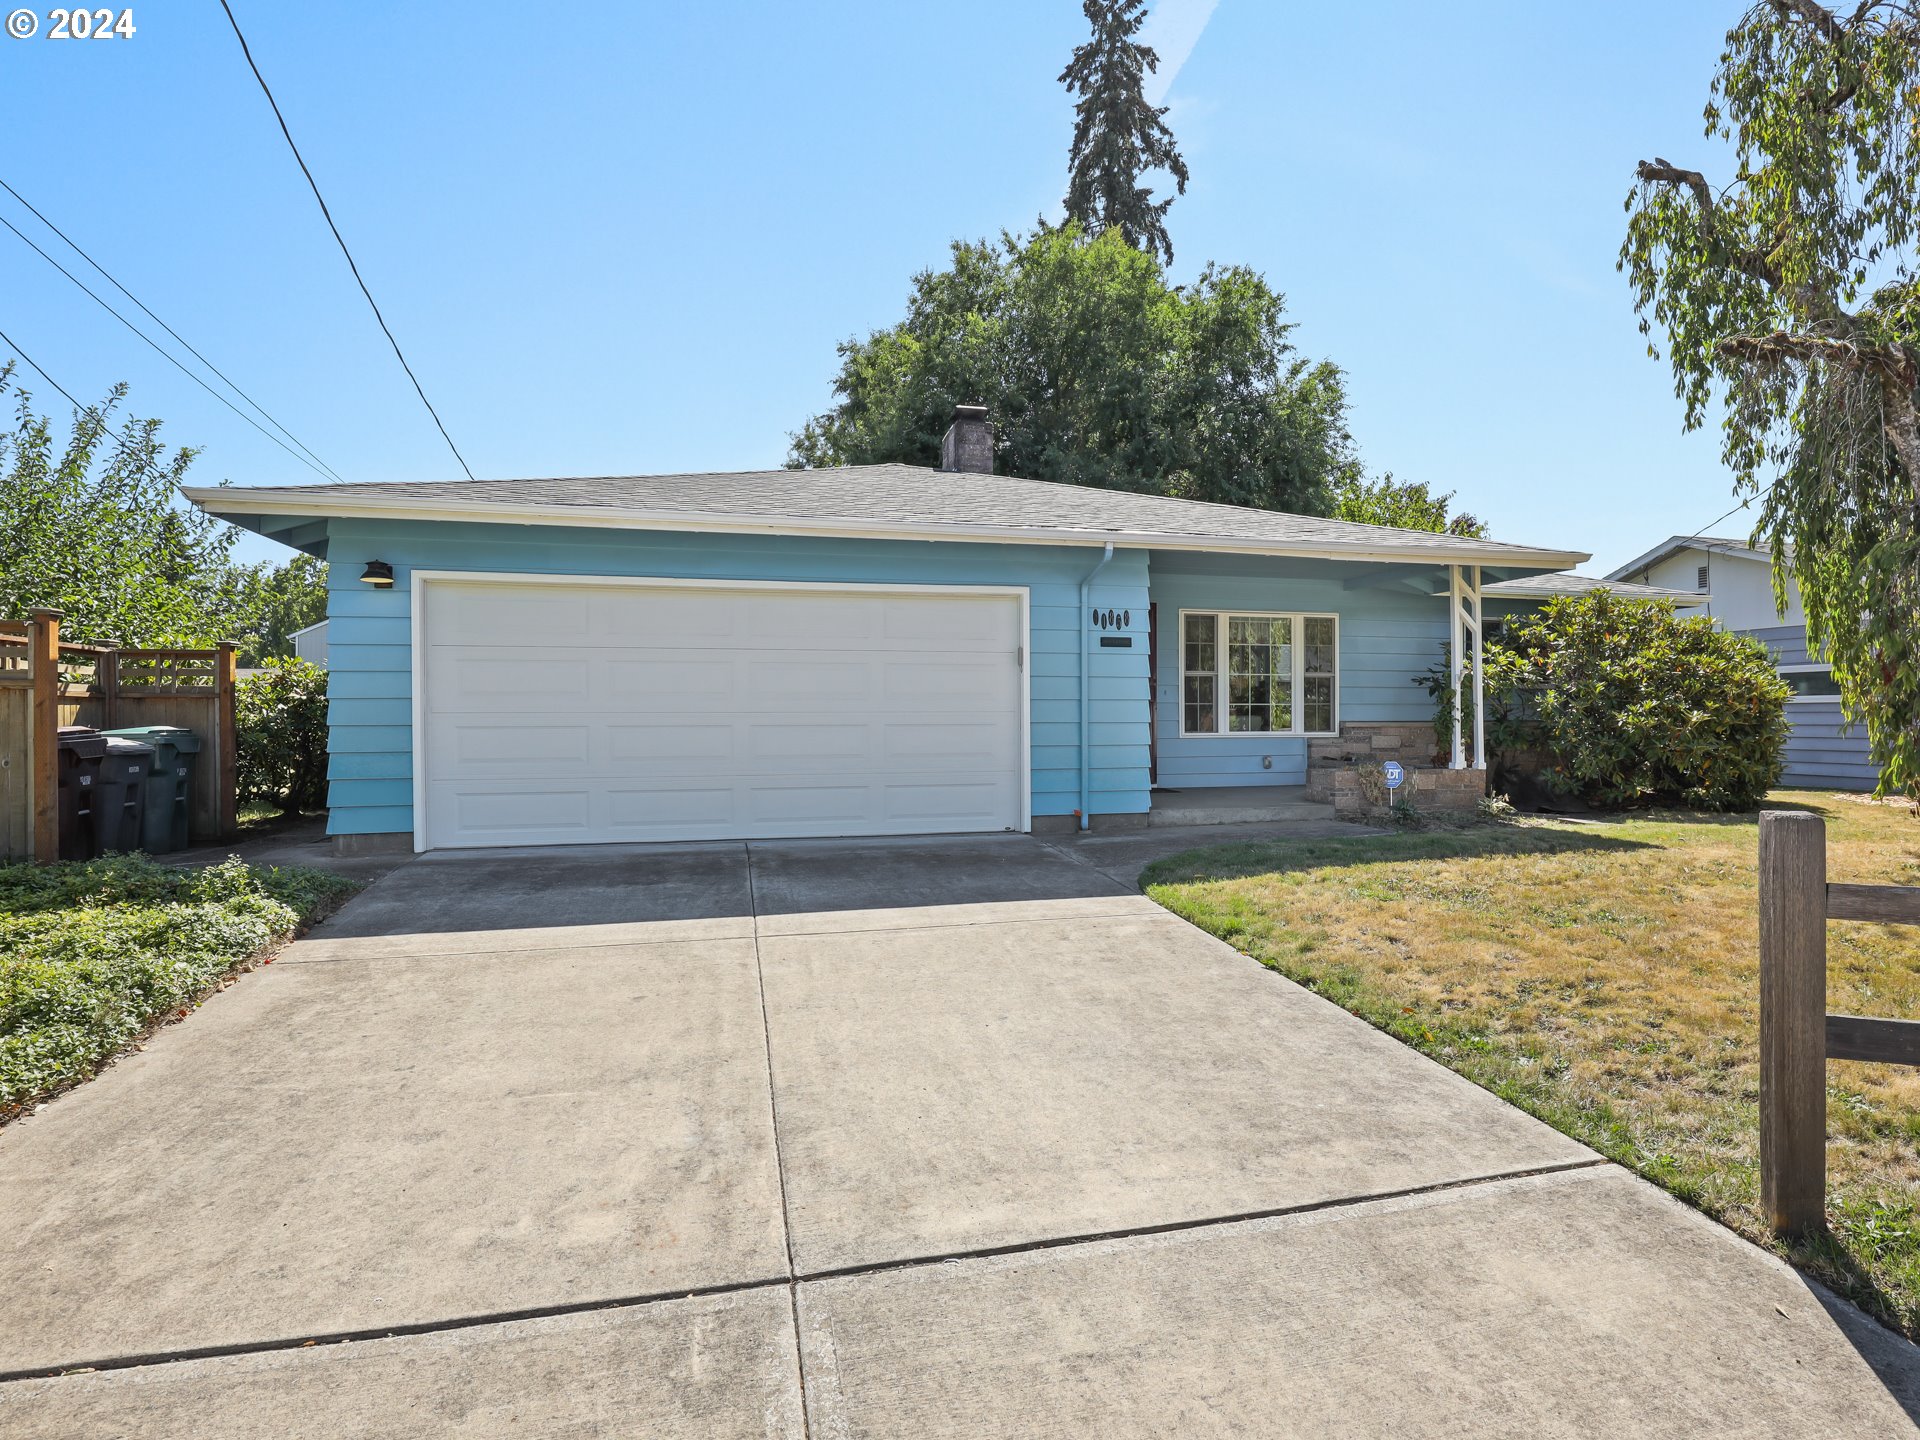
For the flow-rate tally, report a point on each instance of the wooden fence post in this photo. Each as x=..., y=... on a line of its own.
x=106, y=677
x=1793, y=1021
x=43, y=649
x=225, y=678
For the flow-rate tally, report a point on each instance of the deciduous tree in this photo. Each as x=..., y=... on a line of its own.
x=92, y=525
x=1787, y=297
x=1097, y=372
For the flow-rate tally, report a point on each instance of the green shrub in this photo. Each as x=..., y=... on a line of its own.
x=282, y=717
x=92, y=954
x=1631, y=704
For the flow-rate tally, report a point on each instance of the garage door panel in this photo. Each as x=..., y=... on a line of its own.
x=920, y=801
x=810, y=805
x=662, y=808
x=519, y=808
x=517, y=615
x=809, y=681
x=908, y=624
x=947, y=744
x=716, y=713
x=669, y=682
x=770, y=742
x=479, y=749
x=950, y=681
x=666, y=619
x=626, y=745
x=494, y=673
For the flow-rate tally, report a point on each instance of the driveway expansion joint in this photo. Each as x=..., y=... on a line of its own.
x=794, y=1279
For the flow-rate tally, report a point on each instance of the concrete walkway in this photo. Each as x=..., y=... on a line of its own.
x=963, y=1138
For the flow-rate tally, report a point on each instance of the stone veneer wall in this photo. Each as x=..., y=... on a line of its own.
x=1331, y=772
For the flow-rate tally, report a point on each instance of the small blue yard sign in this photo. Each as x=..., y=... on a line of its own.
x=1395, y=775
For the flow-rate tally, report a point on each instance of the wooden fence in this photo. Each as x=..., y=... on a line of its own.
x=45, y=684
x=1797, y=1035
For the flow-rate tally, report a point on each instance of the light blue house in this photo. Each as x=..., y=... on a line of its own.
x=871, y=650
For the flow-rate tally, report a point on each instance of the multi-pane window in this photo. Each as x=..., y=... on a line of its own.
x=1253, y=674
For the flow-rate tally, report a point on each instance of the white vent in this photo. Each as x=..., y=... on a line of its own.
x=1700, y=583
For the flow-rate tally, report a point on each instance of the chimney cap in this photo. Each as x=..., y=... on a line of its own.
x=969, y=412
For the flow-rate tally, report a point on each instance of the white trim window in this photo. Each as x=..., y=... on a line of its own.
x=1259, y=673
x=1811, y=682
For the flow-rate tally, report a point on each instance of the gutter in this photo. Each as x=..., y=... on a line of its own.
x=1086, y=630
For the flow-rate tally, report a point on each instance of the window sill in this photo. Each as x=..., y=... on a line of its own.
x=1259, y=734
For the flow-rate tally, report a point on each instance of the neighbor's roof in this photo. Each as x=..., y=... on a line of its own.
x=878, y=501
x=1674, y=544
x=1542, y=587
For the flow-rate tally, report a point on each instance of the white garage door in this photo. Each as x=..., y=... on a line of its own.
x=575, y=713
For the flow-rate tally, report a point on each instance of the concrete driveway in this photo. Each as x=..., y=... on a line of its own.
x=963, y=1138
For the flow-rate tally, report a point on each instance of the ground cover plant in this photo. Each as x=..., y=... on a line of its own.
x=94, y=954
x=1603, y=975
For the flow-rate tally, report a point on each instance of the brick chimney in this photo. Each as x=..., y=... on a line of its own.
x=968, y=443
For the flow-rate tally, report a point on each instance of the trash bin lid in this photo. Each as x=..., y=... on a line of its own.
x=128, y=749
x=82, y=742
x=185, y=741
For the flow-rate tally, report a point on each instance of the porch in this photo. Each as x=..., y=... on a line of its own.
x=1275, y=681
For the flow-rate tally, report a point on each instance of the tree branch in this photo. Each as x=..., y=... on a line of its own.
x=1887, y=362
x=1747, y=261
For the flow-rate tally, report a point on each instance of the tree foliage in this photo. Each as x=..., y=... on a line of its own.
x=1788, y=298
x=1405, y=505
x=1117, y=136
x=280, y=713
x=90, y=525
x=278, y=600
x=1632, y=704
x=1096, y=372
x=93, y=526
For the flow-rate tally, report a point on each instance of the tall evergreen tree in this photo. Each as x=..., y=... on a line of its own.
x=1117, y=135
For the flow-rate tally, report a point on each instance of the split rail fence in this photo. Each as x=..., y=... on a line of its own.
x=45, y=683
x=1797, y=1035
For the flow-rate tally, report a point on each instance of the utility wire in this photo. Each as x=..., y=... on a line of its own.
x=166, y=327
x=161, y=351
x=37, y=370
x=314, y=186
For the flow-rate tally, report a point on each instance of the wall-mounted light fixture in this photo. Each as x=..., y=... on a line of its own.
x=378, y=574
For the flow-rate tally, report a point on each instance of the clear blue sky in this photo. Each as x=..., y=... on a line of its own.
x=626, y=238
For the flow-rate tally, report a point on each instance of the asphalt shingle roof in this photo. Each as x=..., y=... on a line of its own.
x=883, y=495
x=1540, y=586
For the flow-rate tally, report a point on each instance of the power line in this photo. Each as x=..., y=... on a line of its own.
x=160, y=350
x=312, y=185
x=37, y=370
x=166, y=327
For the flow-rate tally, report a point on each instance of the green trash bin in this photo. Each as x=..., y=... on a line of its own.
x=169, y=796
x=119, y=795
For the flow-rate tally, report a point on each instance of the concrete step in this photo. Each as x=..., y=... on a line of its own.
x=1236, y=805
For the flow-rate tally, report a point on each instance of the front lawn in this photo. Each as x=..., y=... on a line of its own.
x=95, y=954
x=1604, y=975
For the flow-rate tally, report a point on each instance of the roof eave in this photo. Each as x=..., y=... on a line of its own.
x=231, y=501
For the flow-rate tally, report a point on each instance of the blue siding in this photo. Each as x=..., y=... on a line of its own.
x=1387, y=636
x=370, y=787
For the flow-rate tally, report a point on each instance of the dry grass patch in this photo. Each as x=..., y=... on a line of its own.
x=1603, y=975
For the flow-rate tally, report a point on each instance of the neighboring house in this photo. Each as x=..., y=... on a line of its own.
x=1734, y=583
x=872, y=650
x=310, y=644
x=1510, y=597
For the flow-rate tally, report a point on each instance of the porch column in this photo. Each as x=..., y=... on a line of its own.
x=1456, y=645
x=1479, y=679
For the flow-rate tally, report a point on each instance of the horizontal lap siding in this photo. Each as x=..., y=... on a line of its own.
x=370, y=773
x=1386, y=638
x=1821, y=754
